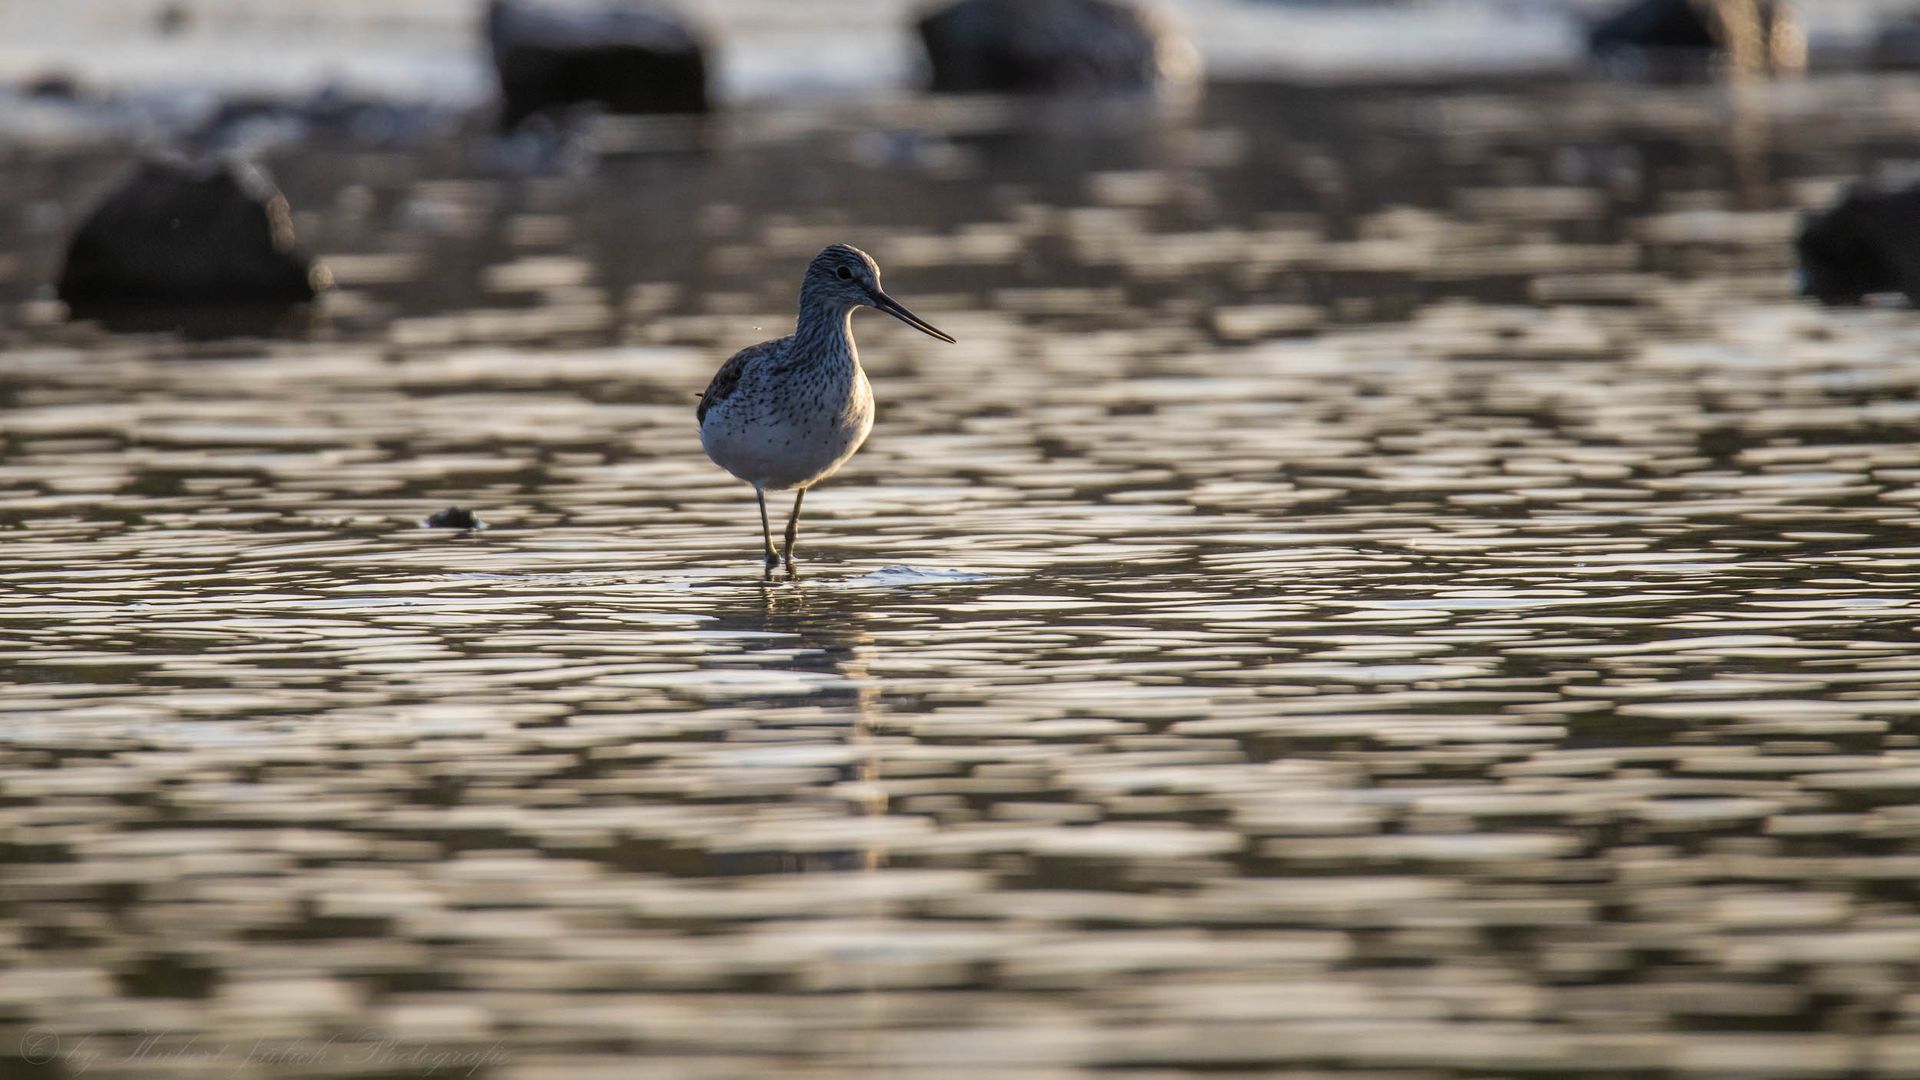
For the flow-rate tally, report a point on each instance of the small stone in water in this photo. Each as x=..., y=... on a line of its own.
x=453, y=517
x=1860, y=246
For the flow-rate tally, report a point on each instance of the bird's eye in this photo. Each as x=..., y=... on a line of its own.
x=845, y=274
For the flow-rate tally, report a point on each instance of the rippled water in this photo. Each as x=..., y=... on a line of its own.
x=1388, y=584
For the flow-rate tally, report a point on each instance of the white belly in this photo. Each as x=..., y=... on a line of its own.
x=777, y=448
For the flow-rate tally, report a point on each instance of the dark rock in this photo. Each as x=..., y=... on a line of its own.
x=1053, y=46
x=172, y=19
x=53, y=86
x=1867, y=243
x=1896, y=47
x=626, y=58
x=453, y=517
x=1655, y=24
x=177, y=236
x=1699, y=26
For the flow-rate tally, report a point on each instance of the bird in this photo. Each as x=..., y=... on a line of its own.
x=786, y=414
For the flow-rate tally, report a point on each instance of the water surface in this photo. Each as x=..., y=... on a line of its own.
x=1389, y=583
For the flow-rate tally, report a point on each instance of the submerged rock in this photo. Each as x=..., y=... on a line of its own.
x=1760, y=33
x=1867, y=243
x=253, y=121
x=175, y=235
x=53, y=86
x=453, y=517
x=625, y=57
x=1054, y=46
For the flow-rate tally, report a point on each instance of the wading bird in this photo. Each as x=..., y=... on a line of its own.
x=788, y=413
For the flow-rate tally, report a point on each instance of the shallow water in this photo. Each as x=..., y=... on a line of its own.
x=1388, y=584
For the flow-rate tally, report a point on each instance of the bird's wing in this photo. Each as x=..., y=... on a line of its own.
x=727, y=379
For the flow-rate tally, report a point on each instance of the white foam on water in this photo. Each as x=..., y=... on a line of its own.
x=902, y=574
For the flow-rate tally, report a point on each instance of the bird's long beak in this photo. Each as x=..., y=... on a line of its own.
x=894, y=308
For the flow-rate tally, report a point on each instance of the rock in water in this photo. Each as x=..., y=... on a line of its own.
x=1762, y=34
x=1868, y=243
x=174, y=235
x=453, y=517
x=627, y=58
x=1055, y=46
x=1896, y=47
x=1654, y=24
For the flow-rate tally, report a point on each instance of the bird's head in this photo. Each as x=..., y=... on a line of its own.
x=845, y=276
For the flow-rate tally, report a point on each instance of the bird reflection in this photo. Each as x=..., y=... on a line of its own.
x=825, y=632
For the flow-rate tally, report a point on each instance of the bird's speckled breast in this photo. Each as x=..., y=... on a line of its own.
x=791, y=424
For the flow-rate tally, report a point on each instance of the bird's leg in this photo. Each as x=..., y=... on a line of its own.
x=793, y=526
x=766, y=530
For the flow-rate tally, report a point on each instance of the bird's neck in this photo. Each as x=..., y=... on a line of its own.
x=824, y=334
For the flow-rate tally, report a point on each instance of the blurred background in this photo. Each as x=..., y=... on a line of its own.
x=1408, y=572
x=423, y=49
